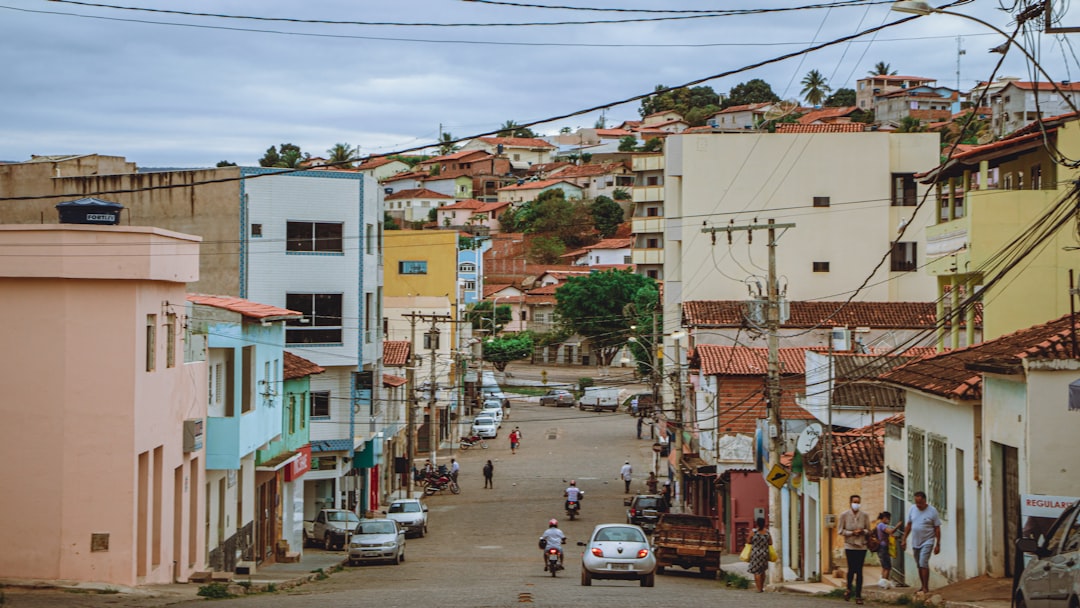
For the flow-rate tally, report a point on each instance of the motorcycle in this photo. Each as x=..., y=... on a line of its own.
x=553, y=564
x=572, y=507
x=468, y=442
x=440, y=483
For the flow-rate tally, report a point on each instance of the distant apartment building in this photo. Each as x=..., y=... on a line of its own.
x=868, y=89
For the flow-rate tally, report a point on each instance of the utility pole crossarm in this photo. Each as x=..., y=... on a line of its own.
x=747, y=228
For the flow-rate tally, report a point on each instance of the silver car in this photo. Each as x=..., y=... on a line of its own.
x=1052, y=578
x=410, y=514
x=618, y=551
x=377, y=540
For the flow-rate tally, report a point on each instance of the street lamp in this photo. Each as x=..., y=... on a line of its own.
x=677, y=336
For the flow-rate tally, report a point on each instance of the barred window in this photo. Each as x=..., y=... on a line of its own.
x=916, y=473
x=937, y=473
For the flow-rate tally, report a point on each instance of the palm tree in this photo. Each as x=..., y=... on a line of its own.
x=341, y=155
x=814, y=88
x=882, y=69
x=447, y=145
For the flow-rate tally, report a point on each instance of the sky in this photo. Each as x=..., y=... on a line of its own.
x=175, y=90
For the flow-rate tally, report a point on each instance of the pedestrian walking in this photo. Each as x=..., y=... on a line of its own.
x=652, y=482
x=627, y=475
x=489, y=472
x=454, y=468
x=514, y=437
x=854, y=527
x=884, y=532
x=924, y=528
x=640, y=421
x=758, y=563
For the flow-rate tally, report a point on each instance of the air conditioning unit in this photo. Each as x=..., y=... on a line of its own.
x=841, y=339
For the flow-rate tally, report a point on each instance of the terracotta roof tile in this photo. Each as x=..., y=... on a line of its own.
x=537, y=184
x=517, y=142
x=829, y=127
x=716, y=359
x=298, y=367
x=378, y=161
x=251, y=310
x=494, y=288
x=826, y=113
x=396, y=352
x=878, y=315
x=404, y=175
x=415, y=193
x=746, y=107
x=957, y=374
x=391, y=381
x=611, y=244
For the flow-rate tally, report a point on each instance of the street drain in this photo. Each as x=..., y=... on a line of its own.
x=553, y=433
x=525, y=598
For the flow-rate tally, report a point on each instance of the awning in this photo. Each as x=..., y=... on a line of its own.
x=694, y=465
x=279, y=461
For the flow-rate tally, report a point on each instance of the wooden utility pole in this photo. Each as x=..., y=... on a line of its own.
x=772, y=383
x=433, y=433
x=410, y=403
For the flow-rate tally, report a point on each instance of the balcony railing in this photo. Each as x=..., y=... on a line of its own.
x=648, y=256
x=648, y=163
x=648, y=194
x=647, y=225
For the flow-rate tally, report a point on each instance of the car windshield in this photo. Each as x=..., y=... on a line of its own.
x=404, y=507
x=347, y=516
x=646, y=503
x=484, y=421
x=375, y=527
x=626, y=535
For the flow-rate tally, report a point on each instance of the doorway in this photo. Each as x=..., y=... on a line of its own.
x=897, y=506
x=1010, y=502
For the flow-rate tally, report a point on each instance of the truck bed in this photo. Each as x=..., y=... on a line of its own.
x=690, y=541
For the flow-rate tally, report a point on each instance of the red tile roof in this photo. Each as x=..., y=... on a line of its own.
x=297, y=367
x=858, y=454
x=251, y=310
x=660, y=113
x=415, y=193
x=829, y=127
x=877, y=315
x=826, y=114
x=545, y=290
x=539, y=300
x=612, y=133
x=898, y=78
x=378, y=161
x=517, y=142
x=747, y=361
x=590, y=170
x=494, y=288
x=396, y=352
x=405, y=175
x=957, y=374
x=390, y=381
x=455, y=156
x=537, y=184
x=746, y=107
x=1045, y=86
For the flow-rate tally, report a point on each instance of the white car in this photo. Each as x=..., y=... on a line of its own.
x=410, y=514
x=492, y=412
x=377, y=540
x=486, y=427
x=618, y=551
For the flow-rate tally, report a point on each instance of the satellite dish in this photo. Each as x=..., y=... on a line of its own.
x=808, y=438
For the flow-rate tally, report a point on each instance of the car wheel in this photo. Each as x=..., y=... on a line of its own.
x=648, y=580
x=1020, y=603
x=423, y=531
x=586, y=578
x=352, y=563
x=397, y=558
x=659, y=569
x=328, y=543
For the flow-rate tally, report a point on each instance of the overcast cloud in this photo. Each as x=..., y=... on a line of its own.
x=83, y=79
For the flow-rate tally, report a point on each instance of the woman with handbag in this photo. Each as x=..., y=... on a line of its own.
x=854, y=527
x=760, y=544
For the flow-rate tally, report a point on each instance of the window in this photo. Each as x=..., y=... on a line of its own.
x=821, y=201
x=256, y=230
x=369, y=323
x=292, y=414
x=466, y=267
x=170, y=340
x=470, y=285
x=322, y=318
x=313, y=236
x=151, y=342
x=431, y=340
x=517, y=157
x=524, y=315
x=652, y=212
x=653, y=274
x=903, y=193
x=1036, y=177
x=653, y=180
x=916, y=478
x=626, y=259
x=903, y=256
x=320, y=404
x=937, y=474
x=821, y=267
x=247, y=386
x=652, y=243
x=369, y=239
x=411, y=267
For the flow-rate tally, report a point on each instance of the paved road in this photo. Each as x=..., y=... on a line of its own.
x=481, y=549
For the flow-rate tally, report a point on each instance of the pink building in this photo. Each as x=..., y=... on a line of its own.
x=101, y=411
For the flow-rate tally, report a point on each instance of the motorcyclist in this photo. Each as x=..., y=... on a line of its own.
x=553, y=537
x=573, y=493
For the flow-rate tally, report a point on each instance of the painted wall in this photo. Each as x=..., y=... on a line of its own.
x=437, y=248
x=108, y=433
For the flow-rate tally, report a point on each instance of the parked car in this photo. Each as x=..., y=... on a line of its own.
x=644, y=510
x=618, y=551
x=411, y=514
x=600, y=398
x=1052, y=578
x=377, y=540
x=485, y=426
x=558, y=397
x=330, y=528
x=492, y=412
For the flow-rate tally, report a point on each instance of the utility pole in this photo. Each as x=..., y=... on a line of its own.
x=433, y=434
x=410, y=404
x=654, y=372
x=772, y=381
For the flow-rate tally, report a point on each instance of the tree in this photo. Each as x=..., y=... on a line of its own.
x=606, y=215
x=225, y=163
x=447, y=145
x=546, y=250
x=881, y=69
x=553, y=215
x=620, y=194
x=840, y=98
x=287, y=156
x=694, y=104
x=751, y=91
x=910, y=124
x=389, y=223
x=501, y=351
x=565, y=131
x=593, y=306
x=479, y=315
x=814, y=87
x=653, y=144
x=271, y=158
x=341, y=155
x=433, y=214
x=513, y=129
x=627, y=143
x=639, y=314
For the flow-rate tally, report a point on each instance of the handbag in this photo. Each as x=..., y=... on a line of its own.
x=772, y=554
x=745, y=555
x=872, y=543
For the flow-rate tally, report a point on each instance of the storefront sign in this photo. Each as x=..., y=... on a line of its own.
x=301, y=465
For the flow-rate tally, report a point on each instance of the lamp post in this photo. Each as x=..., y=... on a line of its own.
x=677, y=336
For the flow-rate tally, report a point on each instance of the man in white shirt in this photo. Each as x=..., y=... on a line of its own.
x=572, y=493
x=924, y=527
x=627, y=474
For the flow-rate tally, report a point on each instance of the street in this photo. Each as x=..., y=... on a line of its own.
x=481, y=549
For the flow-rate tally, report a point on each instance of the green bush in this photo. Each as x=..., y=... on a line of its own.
x=734, y=580
x=584, y=383
x=215, y=591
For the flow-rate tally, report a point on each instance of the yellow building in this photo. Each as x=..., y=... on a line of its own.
x=994, y=202
x=420, y=263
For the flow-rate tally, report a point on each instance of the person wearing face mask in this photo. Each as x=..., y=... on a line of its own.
x=854, y=526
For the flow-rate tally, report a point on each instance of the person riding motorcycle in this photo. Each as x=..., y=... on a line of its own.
x=553, y=537
x=573, y=493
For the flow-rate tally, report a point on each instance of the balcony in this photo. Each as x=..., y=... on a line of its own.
x=647, y=256
x=652, y=162
x=647, y=225
x=648, y=194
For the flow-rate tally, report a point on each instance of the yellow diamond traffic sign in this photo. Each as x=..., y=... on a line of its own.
x=777, y=476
